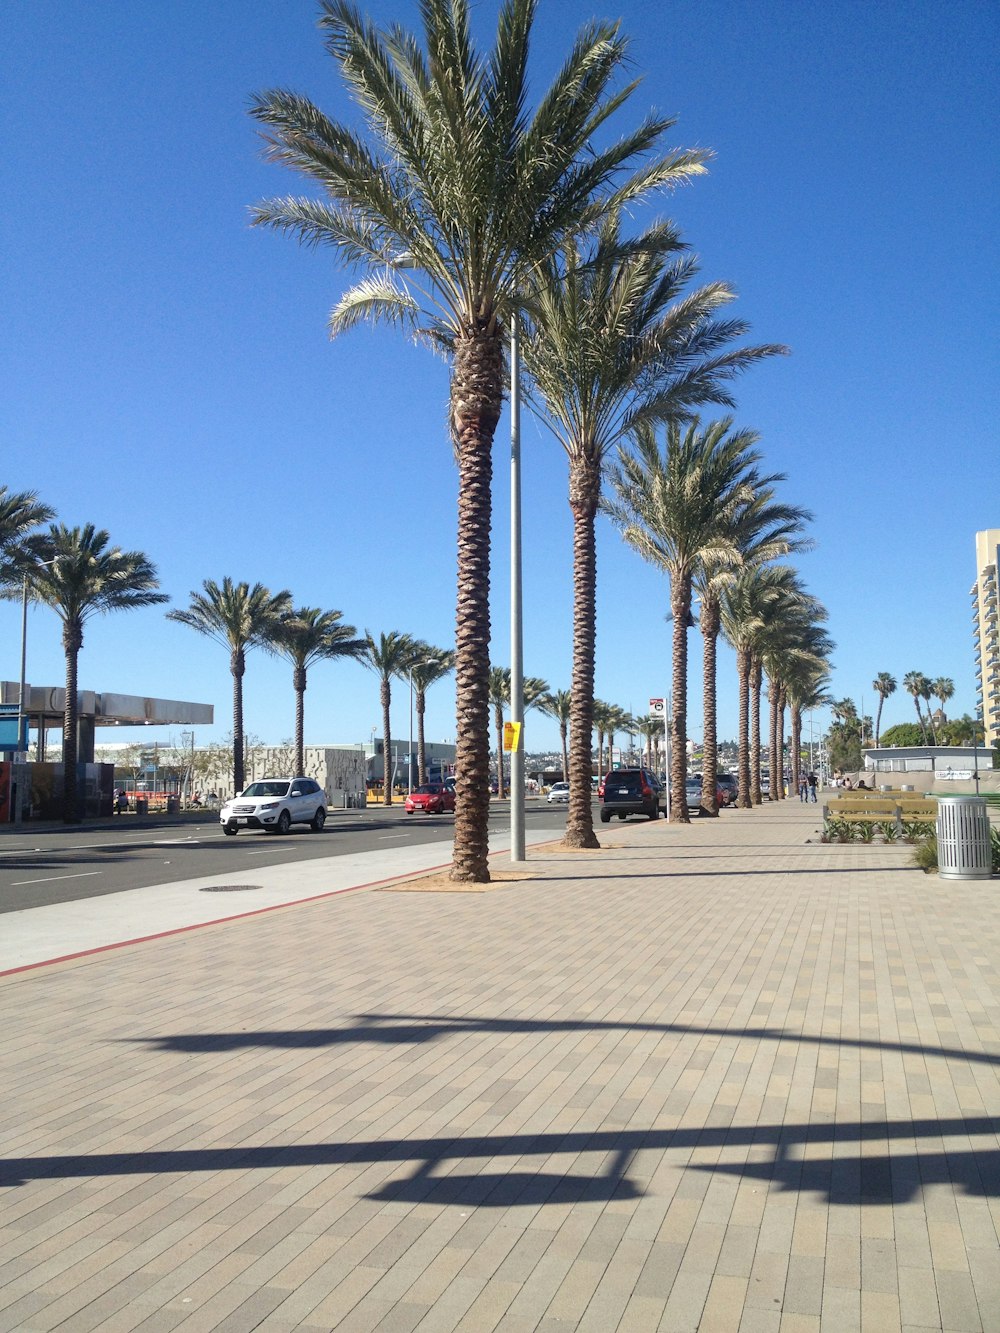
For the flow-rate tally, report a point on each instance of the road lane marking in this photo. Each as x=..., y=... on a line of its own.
x=85, y=874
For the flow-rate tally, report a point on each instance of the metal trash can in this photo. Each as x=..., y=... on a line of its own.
x=963, y=838
x=141, y=805
x=173, y=805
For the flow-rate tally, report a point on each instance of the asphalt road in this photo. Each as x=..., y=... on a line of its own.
x=53, y=866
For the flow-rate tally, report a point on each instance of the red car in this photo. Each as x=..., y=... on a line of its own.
x=432, y=799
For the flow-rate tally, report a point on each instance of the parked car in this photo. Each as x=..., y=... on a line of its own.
x=631, y=791
x=692, y=795
x=274, y=805
x=559, y=791
x=433, y=798
x=727, y=784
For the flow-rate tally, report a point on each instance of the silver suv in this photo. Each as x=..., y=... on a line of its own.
x=275, y=804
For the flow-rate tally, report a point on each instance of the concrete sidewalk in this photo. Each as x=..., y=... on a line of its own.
x=710, y=1077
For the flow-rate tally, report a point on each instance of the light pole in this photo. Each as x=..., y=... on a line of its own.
x=517, y=840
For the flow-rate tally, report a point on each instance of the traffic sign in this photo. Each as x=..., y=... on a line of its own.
x=511, y=737
x=657, y=707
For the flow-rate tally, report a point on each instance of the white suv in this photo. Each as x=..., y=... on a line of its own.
x=274, y=805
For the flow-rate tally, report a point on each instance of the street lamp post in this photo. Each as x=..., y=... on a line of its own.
x=22, y=730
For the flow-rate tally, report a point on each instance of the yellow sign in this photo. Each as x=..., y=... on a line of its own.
x=511, y=737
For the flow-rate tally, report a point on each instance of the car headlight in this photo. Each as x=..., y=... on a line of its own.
x=269, y=805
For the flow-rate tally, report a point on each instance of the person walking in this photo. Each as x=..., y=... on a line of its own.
x=812, y=786
x=803, y=788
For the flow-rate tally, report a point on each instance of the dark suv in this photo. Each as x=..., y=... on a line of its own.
x=631, y=791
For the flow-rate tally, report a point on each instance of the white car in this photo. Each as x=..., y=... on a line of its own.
x=559, y=791
x=274, y=805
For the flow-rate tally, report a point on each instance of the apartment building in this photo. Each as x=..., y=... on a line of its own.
x=986, y=630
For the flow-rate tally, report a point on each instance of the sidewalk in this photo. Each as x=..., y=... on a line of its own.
x=710, y=1077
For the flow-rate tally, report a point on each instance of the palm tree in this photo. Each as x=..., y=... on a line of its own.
x=677, y=508
x=20, y=513
x=748, y=604
x=446, y=201
x=601, y=718
x=77, y=573
x=806, y=687
x=534, y=689
x=792, y=643
x=615, y=340
x=944, y=689
x=389, y=655
x=306, y=636
x=434, y=665
x=763, y=530
x=558, y=704
x=916, y=684
x=884, y=684
x=651, y=729
x=238, y=617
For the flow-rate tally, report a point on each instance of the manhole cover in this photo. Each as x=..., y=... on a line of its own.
x=228, y=888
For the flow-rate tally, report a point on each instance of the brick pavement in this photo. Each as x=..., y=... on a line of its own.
x=708, y=1078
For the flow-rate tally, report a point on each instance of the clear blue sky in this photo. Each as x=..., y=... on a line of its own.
x=167, y=375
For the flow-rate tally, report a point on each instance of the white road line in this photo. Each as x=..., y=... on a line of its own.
x=385, y=837
x=83, y=875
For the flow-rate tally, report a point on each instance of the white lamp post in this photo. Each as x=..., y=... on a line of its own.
x=22, y=748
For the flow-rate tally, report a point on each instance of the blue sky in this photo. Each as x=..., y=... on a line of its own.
x=167, y=374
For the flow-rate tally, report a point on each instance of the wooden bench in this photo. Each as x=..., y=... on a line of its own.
x=862, y=809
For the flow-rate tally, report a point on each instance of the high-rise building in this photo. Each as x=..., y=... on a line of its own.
x=986, y=623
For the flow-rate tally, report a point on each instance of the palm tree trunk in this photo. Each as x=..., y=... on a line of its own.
x=238, y=666
x=756, y=677
x=782, y=697
x=878, y=719
x=584, y=494
x=680, y=608
x=299, y=686
x=920, y=717
x=796, y=747
x=421, y=747
x=498, y=724
x=775, y=757
x=563, y=736
x=743, y=797
x=710, y=764
x=387, y=766
x=476, y=401
x=72, y=643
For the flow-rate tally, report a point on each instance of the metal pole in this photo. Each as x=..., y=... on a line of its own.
x=409, y=756
x=21, y=692
x=517, y=849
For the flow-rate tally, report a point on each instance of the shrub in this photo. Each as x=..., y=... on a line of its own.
x=866, y=830
x=925, y=854
x=889, y=830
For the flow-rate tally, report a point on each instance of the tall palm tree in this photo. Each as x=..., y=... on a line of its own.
x=615, y=339
x=534, y=689
x=748, y=604
x=305, y=636
x=884, y=684
x=558, y=704
x=601, y=717
x=238, y=617
x=764, y=530
x=446, y=201
x=677, y=507
x=651, y=729
x=792, y=642
x=434, y=665
x=916, y=684
x=942, y=689
x=389, y=655
x=77, y=573
x=20, y=513
x=806, y=687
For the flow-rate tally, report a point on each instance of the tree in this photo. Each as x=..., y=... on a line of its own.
x=884, y=684
x=651, y=729
x=676, y=507
x=389, y=655
x=602, y=716
x=794, y=650
x=446, y=201
x=77, y=573
x=916, y=684
x=434, y=665
x=904, y=733
x=614, y=341
x=239, y=617
x=20, y=513
x=942, y=689
x=558, y=704
x=763, y=530
x=306, y=636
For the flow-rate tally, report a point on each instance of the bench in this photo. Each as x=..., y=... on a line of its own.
x=863, y=809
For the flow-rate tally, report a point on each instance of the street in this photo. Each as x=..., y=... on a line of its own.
x=64, y=865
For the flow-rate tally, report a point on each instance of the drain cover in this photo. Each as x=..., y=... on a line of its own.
x=228, y=888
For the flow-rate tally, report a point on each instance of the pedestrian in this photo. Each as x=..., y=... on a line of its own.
x=121, y=802
x=803, y=788
x=812, y=786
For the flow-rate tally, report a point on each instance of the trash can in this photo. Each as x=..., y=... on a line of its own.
x=963, y=838
x=141, y=805
x=173, y=805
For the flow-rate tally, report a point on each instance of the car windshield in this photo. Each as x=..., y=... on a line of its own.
x=430, y=789
x=633, y=781
x=267, y=789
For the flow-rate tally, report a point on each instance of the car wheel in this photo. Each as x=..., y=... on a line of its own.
x=318, y=820
x=655, y=812
x=284, y=823
x=605, y=818
x=229, y=832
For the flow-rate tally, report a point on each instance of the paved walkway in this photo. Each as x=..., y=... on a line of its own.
x=711, y=1077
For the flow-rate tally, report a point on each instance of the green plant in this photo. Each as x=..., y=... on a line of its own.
x=925, y=854
x=889, y=830
x=866, y=830
x=914, y=829
x=995, y=851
